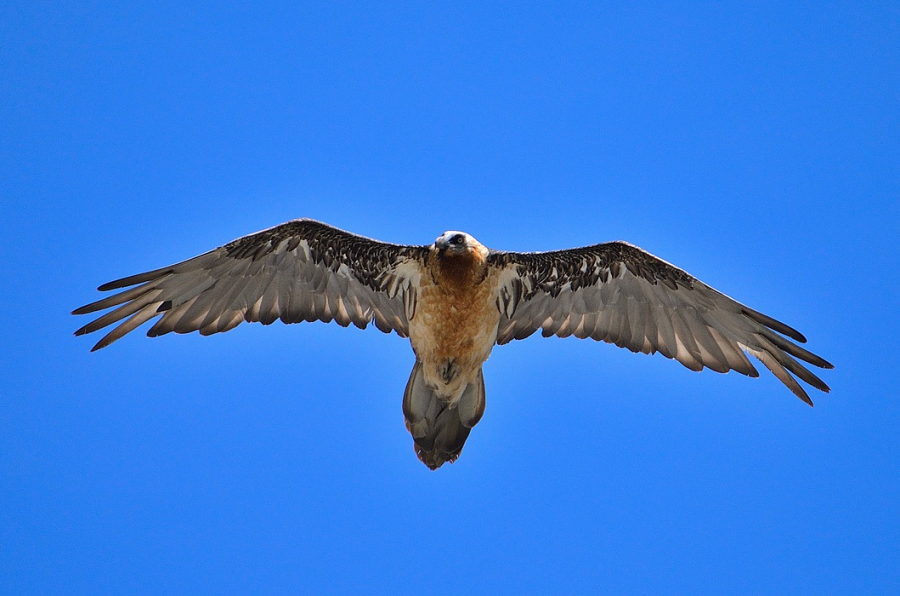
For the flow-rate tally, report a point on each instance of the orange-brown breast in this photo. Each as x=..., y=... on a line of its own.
x=456, y=320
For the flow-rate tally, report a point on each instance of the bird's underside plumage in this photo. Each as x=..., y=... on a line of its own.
x=455, y=300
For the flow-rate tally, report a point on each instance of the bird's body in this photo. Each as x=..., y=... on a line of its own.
x=455, y=300
x=455, y=327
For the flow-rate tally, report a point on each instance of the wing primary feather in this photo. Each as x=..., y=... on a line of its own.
x=773, y=324
x=795, y=350
x=225, y=304
x=169, y=319
x=136, y=279
x=781, y=374
x=199, y=310
x=792, y=365
x=192, y=263
x=734, y=355
x=115, y=299
x=135, y=321
x=120, y=313
x=176, y=296
x=712, y=356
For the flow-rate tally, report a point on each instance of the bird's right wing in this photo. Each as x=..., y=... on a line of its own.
x=618, y=293
x=302, y=270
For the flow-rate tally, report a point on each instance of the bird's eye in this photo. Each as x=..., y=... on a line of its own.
x=458, y=239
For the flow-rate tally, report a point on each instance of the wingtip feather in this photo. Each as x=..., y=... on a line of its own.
x=113, y=285
x=774, y=324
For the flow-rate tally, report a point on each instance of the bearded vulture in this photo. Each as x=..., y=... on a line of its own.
x=455, y=300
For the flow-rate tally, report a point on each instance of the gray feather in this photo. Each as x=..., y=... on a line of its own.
x=300, y=270
x=620, y=294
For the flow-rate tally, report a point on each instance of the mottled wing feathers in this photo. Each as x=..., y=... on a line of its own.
x=618, y=293
x=302, y=270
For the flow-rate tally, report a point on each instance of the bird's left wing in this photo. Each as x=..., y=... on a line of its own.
x=618, y=293
x=302, y=270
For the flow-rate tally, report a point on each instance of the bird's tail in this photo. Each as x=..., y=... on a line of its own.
x=438, y=429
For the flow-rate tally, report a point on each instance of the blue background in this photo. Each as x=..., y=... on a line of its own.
x=757, y=145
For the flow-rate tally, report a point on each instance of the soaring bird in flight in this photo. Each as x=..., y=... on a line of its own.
x=455, y=300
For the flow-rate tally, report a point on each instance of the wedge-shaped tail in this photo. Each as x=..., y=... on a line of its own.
x=440, y=430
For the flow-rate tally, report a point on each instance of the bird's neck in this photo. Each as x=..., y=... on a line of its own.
x=460, y=271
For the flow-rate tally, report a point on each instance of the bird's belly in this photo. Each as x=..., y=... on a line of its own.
x=452, y=334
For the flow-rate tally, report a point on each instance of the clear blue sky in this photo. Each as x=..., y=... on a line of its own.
x=756, y=145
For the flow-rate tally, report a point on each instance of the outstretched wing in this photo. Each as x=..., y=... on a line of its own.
x=618, y=293
x=302, y=270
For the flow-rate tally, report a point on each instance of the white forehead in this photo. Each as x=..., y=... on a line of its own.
x=447, y=236
x=451, y=233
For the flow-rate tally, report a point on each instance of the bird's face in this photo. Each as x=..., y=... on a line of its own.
x=455, y=243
